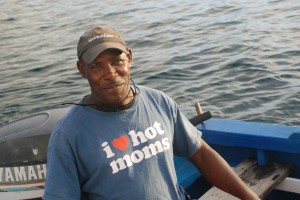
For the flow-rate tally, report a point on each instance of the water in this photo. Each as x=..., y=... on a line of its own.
x=239, y=59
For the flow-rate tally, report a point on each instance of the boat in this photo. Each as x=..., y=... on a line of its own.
x=237, y=140
x=23, y=153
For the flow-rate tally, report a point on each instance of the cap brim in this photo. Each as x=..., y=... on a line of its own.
x=92, y=53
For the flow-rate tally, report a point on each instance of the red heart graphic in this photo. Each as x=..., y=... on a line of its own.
x=120, y=143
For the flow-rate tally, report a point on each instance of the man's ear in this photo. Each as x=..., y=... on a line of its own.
x=80, y=68
x=129, y=56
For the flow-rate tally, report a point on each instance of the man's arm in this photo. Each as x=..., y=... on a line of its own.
x=216, y=170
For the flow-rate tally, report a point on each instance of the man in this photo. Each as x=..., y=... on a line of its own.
x=119, y=141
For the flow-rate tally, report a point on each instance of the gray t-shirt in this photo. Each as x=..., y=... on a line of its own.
x=120, y=155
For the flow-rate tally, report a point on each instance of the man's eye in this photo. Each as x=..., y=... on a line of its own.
x=95, y=66
x=118, y=62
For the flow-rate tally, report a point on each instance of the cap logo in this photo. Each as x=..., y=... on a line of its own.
x=105, y=35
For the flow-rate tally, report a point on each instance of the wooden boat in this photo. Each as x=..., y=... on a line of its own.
x=239, y=140
x=23, y=154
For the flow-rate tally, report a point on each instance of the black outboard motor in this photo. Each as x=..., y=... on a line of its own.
x=23, y=147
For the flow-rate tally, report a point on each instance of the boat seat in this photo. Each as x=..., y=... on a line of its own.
x=262, y=179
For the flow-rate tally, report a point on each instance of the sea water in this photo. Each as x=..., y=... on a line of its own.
x=240, y=59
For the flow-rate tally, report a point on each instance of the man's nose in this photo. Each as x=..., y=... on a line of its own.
x=110, y=71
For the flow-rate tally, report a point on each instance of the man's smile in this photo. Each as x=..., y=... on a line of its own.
x=113, y=86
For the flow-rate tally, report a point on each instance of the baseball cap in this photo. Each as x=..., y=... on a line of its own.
x=96, y=40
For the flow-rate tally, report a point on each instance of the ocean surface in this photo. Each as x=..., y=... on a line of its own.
x=240, y=59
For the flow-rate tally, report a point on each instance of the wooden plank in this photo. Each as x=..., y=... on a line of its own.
x=261, y=179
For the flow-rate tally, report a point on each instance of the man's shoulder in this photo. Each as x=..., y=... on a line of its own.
x=156, y=95
x=69, y=119
x=71, y=114
x=148, y=90
x=67, y=127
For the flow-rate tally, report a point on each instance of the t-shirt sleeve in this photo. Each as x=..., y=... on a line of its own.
x=186, y=136
x=62, y=180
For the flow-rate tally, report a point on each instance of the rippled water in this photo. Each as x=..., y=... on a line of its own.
x=239, y=59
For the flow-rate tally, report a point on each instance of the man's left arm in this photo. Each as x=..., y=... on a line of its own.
x=217, y=171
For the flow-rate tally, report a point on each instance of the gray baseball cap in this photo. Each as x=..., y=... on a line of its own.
x=96, y=40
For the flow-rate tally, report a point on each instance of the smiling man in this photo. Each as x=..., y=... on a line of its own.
x=118, y=142
x=108, y=74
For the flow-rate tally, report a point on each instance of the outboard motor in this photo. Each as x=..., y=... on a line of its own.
x=23, y=152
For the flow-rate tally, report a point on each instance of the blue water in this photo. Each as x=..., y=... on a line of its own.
x=240, y=59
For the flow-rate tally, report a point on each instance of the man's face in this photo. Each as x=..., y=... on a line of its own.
x=109, y=77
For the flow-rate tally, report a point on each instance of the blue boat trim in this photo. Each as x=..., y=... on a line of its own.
x=236, y=140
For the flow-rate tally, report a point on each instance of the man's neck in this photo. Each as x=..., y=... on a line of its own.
x=125, y=104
